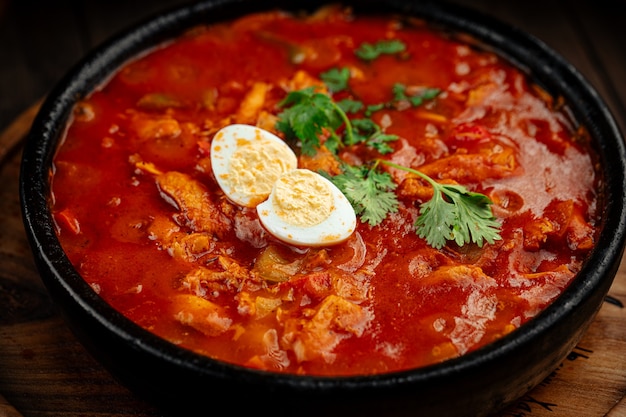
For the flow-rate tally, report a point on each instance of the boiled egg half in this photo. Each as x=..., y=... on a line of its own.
x=256, y=168
x=247, y=161
x=304, y=208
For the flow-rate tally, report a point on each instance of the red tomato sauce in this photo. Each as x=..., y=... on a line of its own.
x=140, y=215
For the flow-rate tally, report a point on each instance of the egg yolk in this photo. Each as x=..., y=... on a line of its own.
x=302, y=198
x=255, y=166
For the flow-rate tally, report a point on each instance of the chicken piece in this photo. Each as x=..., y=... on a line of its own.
x=461, y=275
x=302, y=79
x=348, y=286
x=482, y=93
x=190, y=247
x=474, y=167
x=559, y=213
x=322, y=160
x=320, y=284
x=180, y=245
x=536, y=233
x=160, y=138
x=150, y=128
x=203, y=315
x=230, y=276
x=257, y=306
x=580, y=234
x=191, y=198
x=252, y=103
x=202, y=281
x=415, y=188
x=162, y=228
x=560, y=220
x=334, y=320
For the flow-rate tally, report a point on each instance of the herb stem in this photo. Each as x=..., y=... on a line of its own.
x=346, y=121
x=463, y=216
x=411, y=170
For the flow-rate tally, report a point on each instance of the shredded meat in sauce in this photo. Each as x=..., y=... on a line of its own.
x=140, y=215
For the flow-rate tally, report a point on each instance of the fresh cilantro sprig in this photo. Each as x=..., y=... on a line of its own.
x=454, y=213
x=370, y=191
x=307, y=114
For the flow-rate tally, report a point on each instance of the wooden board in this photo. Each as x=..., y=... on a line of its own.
x=45, y=372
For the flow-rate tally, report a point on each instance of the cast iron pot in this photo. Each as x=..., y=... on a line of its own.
x=477, y=384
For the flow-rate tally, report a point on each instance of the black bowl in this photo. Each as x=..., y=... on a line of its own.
x=476, y=384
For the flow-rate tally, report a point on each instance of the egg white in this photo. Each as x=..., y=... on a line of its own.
x=247, y=160
x=306, y=209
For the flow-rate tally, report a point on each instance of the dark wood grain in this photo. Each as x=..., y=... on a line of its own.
x=45, y=372
x=7, y=410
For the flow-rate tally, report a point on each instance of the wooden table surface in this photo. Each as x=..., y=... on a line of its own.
x=45, y=372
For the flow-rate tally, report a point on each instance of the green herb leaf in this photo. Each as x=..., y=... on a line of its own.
x=368, y=52
x=380, y=140
x=374, y=108
x=369, y=191
x=349, y=105
x=363, y=129
x=369, y=132
x=454, y=213
x=336, y=79
x=307, y=114
x=399, y=94
x=333, y=144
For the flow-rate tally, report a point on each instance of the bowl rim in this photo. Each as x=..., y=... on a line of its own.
x=552, y=72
